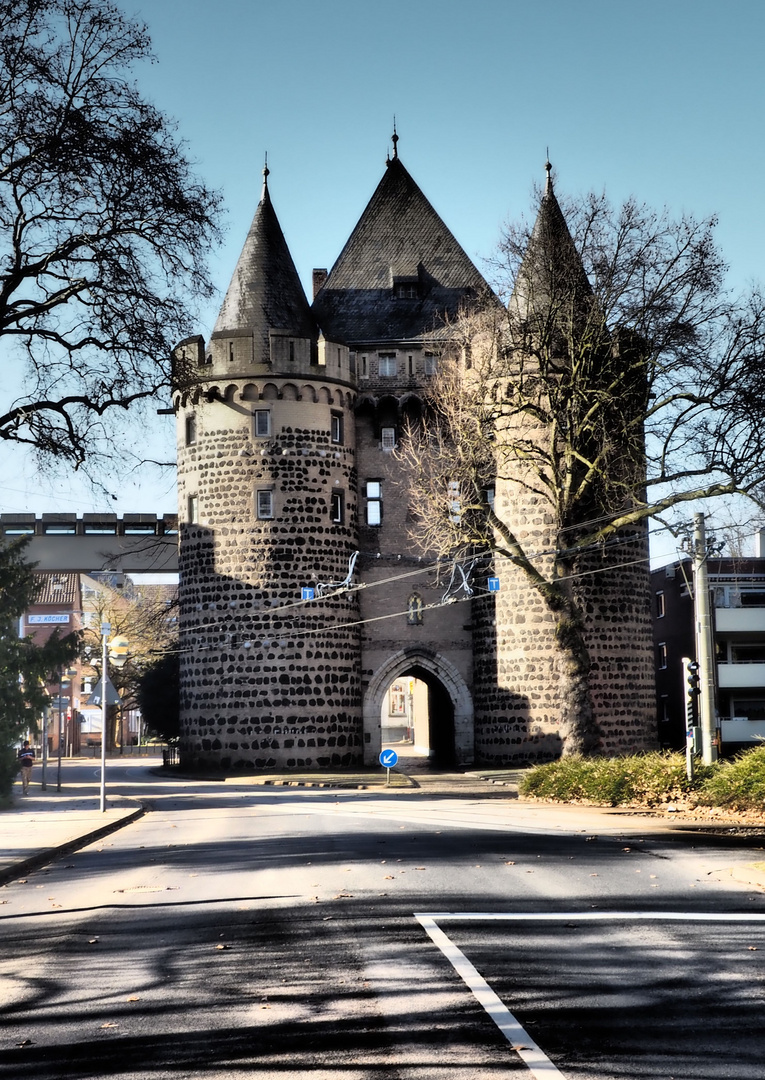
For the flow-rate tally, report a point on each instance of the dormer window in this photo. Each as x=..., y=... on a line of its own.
x=406, y=290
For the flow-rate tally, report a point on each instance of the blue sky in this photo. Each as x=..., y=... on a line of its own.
x=663, y=99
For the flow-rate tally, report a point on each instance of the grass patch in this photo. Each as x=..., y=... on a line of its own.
x=647, y=779
x=738, y=784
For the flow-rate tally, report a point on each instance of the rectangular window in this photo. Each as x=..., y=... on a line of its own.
x=193, y=509
x=264, y=504
x=660, y=608
x=388, y=438
x=191, y=430
x=363, y=366
x=374, y=502
x=397, y=700
x=387, y=365
x=231, y=352
x=336, y=428
x=292, y=349
x=661, y=649
x=262, y=422
x=431, y=363
x=411, y=365
x=337, y=507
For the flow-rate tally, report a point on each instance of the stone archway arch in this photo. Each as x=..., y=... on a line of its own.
x=439, y=668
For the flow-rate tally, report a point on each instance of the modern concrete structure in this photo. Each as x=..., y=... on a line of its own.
x=737, y=594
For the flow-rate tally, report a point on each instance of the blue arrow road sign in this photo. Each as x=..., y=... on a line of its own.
x=388, y=758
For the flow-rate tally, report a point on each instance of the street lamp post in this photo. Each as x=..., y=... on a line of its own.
x=106, y=629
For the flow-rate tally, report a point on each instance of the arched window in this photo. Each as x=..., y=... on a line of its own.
x=414, y=614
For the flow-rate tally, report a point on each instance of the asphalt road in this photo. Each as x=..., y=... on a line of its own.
x=245, y=932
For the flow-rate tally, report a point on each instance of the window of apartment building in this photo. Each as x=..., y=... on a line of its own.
x=192, y=504
x=748, y=709
x=336, y=428
x=388, y=438
x=264, y=504
x=661, y=650
x=337, y=507
x=431, y=363
x=374, y=502
x=191, y=429
x=262, y=423
x=397, y=699
x=660, y=606
x=747, y=652
x=752, y=598
x=387, y=364
x=414, y=610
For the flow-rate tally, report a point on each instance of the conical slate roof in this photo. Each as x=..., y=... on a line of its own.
x=400, y=272
x=265, y=292
x=552, y=275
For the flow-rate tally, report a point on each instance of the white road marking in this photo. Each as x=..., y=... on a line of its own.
x=540, y=1066
x=591, y=916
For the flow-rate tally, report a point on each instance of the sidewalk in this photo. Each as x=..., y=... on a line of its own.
x=45, y=824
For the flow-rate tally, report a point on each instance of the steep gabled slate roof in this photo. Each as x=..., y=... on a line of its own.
x=398, y=236
x=552, y=272
x=265, y=291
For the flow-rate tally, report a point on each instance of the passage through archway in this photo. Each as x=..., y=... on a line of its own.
x=419, y=704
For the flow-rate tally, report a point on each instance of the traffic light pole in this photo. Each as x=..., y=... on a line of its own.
x=704, y=652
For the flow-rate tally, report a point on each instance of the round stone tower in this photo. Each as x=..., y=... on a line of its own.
x=527, y=698
x=270, y=668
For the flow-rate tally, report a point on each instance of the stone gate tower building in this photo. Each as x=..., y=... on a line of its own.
x=301, y=599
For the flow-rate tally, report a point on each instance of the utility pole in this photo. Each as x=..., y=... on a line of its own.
x=704, y=649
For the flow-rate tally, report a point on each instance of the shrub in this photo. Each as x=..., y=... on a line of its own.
x=738, y=784
x=644, y=778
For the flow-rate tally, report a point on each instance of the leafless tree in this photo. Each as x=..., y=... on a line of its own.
x=618, y=381
x=104, y=229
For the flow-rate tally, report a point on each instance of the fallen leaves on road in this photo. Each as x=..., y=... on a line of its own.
x=109, y=1023
x=133, y=997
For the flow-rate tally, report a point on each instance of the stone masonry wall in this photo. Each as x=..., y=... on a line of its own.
x=267, y=680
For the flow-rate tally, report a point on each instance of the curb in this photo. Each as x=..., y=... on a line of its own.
x=42, y=858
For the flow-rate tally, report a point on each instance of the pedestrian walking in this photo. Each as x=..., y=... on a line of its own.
x=26, y=761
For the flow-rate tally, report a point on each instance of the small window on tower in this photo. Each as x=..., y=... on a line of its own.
x=231, y=351
x=388, y=438
x=292, y=350
x=387, y=365
x=193, y=509
x=264, y=503
x=191, y=429
x=660, y=607
x=414, y=613
x=374, y=502
x=336, y=428
x=337, y=507
x=262, y=423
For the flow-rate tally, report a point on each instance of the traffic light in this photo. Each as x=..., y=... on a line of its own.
x=692, y=690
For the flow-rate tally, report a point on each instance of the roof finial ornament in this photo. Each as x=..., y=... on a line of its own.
x=266, y=172
x=394, y=139
x=548, y=170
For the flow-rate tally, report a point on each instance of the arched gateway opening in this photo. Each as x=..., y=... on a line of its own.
x=419, y=702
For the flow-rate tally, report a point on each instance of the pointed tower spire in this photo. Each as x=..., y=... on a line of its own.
x=394, y=139
x=265, y=292
x=552, y=274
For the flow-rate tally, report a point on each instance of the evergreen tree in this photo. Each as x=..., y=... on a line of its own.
x=24, y=665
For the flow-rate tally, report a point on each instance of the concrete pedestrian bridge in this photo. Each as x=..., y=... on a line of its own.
x=132, y=543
